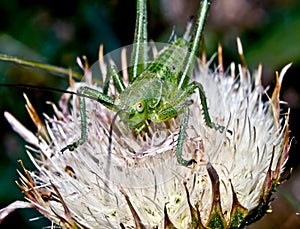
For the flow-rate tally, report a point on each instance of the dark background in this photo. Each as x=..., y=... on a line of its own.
x=56, y=32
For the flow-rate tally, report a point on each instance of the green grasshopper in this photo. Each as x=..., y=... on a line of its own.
x=156, y=92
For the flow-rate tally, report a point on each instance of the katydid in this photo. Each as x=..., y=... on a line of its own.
x=155, y=92
x=158, y=90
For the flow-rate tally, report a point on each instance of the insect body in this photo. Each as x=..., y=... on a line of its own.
x=157, y=91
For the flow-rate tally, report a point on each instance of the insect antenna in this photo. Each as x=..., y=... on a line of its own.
x=34, y=87
x=110, y=141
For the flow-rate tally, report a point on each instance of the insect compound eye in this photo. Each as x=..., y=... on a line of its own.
x=140, y=107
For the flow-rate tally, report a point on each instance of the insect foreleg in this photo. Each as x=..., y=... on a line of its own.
x=83, y=136
x=180, y=140
x=100, y=97
x=169, y=113
x=105, y=100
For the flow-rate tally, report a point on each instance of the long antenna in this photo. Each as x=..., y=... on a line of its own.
x=110, y=142
x=34, y=87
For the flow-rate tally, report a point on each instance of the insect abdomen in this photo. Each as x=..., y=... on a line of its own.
x=170, y=61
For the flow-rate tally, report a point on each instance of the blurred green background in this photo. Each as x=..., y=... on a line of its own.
x=56, y=32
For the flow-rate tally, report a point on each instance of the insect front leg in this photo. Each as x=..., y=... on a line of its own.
x=95, y=95
x=83, y=122
x=169, y=113
x=180, y=140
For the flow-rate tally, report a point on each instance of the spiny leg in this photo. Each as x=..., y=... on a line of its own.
x=182, y=101
x=100, y=97
x=112, y=71
x=83, y=122
x=106, y=83
x=180, y=140
x=189, y=65
x=194, y=45
x=169, y=113
x=117, y=79
x=139, y=54
x=189, y=90
x=118, y=82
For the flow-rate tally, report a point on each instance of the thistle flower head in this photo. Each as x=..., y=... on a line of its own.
x=119, y=179
x=126, y=170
